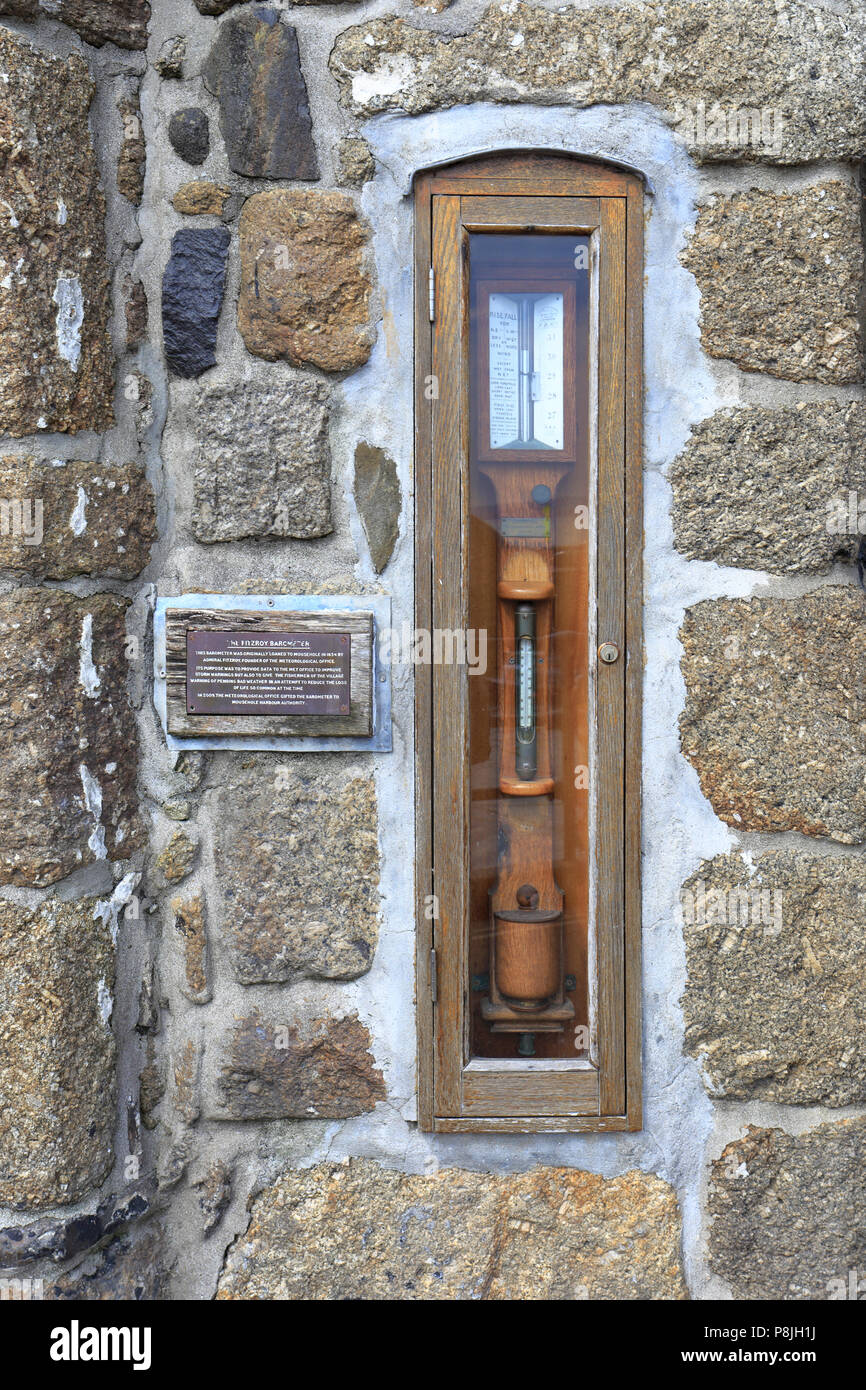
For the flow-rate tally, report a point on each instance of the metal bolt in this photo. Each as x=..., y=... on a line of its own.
x=608, y=652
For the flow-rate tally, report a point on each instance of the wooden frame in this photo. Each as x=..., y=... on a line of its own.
x=528, y=192
x=358, y=626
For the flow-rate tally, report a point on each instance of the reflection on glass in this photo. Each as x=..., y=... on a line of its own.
x=528, y=590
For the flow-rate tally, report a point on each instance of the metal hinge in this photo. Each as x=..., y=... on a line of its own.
x=431, y=283
x=434, y=977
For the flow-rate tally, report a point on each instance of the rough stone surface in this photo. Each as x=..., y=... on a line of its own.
x=151, y=1087
x=216, y=6
x=201, y=199
x=304, y=291
x=775, y=957
x=802, y=63
x=220, y=6
x=192, y=295
x=549, y=1234
x=175, y=861
x=67, y=735
x=189, y=923
x=298, y=866
x=187, y=1067
x=133, y=152
x=131, y=1269
x=298, y=1068
x=775, y=712
x=172, y=57
x=89, y=519
x=761, y=488
x=263, y=463
x=189, y=133
x=215, y=1190
x=357, y=165
x=787, y=1213
x=254, y=70
x=55, y=355
x=137, y=313
x=805, y=251
x=123, y=22
x=61, y=1240
x=57, y=1091
x=377, y=493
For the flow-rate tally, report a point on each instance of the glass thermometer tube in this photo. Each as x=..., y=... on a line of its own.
x=526, y=734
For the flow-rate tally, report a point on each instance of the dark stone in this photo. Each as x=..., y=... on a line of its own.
x=192, y=297
x=131, y=1269
x=189, y=133
x=132, y=160
x=215, y=6
x=377, y=493
x=123, y=22
x=60, y=1240
x=136, y=313
x=254, y=70
x=312, y=1068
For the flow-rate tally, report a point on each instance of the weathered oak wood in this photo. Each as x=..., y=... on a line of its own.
x=424, y=884
x=455, y=1093
x=610, y=680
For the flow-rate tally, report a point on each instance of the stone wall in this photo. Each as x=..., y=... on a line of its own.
x=206, y=960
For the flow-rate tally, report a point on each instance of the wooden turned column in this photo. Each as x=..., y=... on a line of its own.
x=526, y=948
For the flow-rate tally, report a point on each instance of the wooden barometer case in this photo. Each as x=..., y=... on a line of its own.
x=528, y=841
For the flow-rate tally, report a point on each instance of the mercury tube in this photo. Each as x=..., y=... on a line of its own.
x=525, y=726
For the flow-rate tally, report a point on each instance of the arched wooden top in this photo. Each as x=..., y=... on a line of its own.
x=531, y=171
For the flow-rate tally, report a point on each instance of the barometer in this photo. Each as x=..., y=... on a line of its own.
x=525, y=438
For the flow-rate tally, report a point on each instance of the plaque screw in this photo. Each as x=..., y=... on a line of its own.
x=270, y=603
x=161, y=674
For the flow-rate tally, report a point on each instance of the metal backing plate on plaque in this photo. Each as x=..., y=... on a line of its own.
x=260, y=671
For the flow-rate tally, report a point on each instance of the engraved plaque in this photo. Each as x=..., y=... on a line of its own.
x=239, y=672
x=260, y=673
